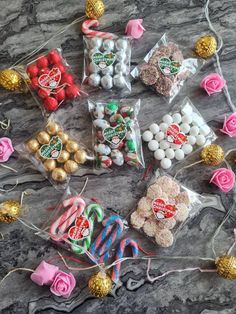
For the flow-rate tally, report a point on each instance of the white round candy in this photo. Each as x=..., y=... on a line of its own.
x=108, y=44
x=191, y=140
x=167, y=119
x=119, y=81
x=159, y=154
x=175, y=146
x=200, y=140
x=106, y=81
x=184, y=127
x=153, y=145
x=121, y=44
x=187, y=109
x=194, y=130
x=205, y=130
x=120, y=67
x=108, y=70
x=197, y=119
x=93, y=68
x=179, y=154
x=187, y=149
x=166, y=163
x=94, y=79
x=187, y=119
x=159, y=136
x=154, y=128
x=170, y=153
x=120, y=55
x=163, y=126
x=164, y=144
x=147, y=136
x=177, y=117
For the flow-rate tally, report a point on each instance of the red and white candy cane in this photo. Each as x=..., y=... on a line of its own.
x=59, y=227
x=92, y=33
x=120, y=253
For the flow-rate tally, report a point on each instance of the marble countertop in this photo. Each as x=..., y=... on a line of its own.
x=24, y=26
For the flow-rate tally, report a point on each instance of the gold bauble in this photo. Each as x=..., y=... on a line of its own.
x=72, y=146
x=43, y=137
x=94, y=9
x=9, y=211
x=64, y=156
x=32, y=145
x=63, y=136
x=205, y=46
x=71, y=166
x=52, y=128
x=59, y=175
x=80, y=156
x=226, y=266
x=49, y=164
x=10, y=80
x=212, y=155
x=100, y=284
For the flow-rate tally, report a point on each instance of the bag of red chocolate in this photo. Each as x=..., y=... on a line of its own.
x=51, y=81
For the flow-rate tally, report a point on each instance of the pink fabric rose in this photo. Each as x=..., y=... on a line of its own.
x=63, y=284
x=229, y=126
x=44, y=274
x=134, y=28
x=213, y=83
x=224, y=179
x=6, y=149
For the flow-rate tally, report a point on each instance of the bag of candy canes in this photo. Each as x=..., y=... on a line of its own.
x=55, y=153
x=51, y=81
x=116, y=133
x=107, y=63
x=166, y=206
x=178, y=134
x=166, y=67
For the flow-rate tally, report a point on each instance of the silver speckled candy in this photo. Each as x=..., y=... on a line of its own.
x=94, y=80
x=108, y=44
x=96, y=42
x=119, y=81
x=120, y=67
x=121, y=44
x=92, y=51
x=106, y=82
x=108, y=70
x=120, y=56
x=93, y=68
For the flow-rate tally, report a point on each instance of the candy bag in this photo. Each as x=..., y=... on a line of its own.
x=116, y=133
x=54, y=153
x=51, y=81
x=167, y=205
x=180, y=133
x=166, y=67
x=107, y=62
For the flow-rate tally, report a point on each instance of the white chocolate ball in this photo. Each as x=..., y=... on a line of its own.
x=166, y=163
x=179, y=154
x=163, y=126
x=184, y=127
x=153, y=145
x=154, y=128
x=170, y=153
x=147, y=136
x=164, y=144
x=194, y=130
x=177, y=118
x=159, y=136
x=200, y=140
x=191, y=140
x=187, y=149
x=187, y=119
x=167, y=119
x=159, y=154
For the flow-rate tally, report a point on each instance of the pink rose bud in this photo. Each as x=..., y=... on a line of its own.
x=224, y=179
x=212, y=83
x=229, y=126
x=44, y=274
x=134, y=28
x=63, y=284
x=6, y=149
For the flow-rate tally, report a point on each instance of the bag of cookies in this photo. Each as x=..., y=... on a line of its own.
x=167, y=67
x=107, y=63
x=164, y=209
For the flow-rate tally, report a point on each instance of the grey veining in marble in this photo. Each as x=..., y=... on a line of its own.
x=24, y=25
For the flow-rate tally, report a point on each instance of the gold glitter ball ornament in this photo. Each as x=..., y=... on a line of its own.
x=94, y=9
x=100, y=284
x=11, y=80
x=9, y=211
x=205, y=46
x=226, y=266
x=212, y=155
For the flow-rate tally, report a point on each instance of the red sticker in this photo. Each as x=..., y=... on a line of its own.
x=174, y=135
x=50, y=80
x=80, y=230
x=162, y=210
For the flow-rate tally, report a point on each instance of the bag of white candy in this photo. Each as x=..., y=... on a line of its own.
x=107, y=62
x=165, y=208
x=180, y=133
x=166, y=67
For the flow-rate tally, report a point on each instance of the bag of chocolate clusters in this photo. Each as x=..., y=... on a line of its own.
x=164, y=209
x=167, y=67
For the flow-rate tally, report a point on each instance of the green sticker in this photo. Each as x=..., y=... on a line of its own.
x=103, y=60
x=169, y=67
x=115, y=135
x=51, y=150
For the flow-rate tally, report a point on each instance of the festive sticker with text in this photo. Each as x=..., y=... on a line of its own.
x=163, y=210
x=51, y=150
x=50, y=80
x=81, y=229
x=114, y=135
x=103, y=60
x=169, y=67
x=174, y=135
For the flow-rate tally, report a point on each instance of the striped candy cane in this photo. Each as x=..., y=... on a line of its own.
x=120, y=253
x=92, y=33
x=92, y=212
x=113, y=228
x=60, y=226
